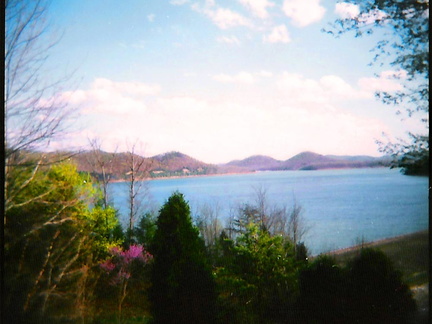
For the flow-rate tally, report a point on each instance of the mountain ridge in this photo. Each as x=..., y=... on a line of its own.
x=177, y=164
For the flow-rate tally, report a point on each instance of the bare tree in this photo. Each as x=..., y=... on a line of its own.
x=34, y=110
x=102, y=164
x=277, y=220
x=208, y=222
x=138, y=170
x=297, y=226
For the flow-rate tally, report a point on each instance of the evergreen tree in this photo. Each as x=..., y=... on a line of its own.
x=322, y=297
x=183, y=289
x=377, y=292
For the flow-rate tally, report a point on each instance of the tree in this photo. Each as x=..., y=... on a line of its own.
x=31, y=119
x=322, y=292
x=208, y=223
x=138, y=169
x=145, y=229
x=122, y=267
x=377, y=292
x=296, y=225
x=406, y=43
x=286, y=222
x=183, y=289
x=257, y=283
x=52, y=244
x=102, y=165
x=35, y=112
x=367, y=290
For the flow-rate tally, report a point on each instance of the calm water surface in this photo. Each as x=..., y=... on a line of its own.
x=341, y=207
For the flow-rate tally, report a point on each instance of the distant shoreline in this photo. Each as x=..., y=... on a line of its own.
x=189, y=176
x=239, y=173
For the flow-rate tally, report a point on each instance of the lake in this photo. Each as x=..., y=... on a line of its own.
x=341, y=207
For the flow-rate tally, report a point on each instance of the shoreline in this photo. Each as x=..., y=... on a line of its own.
x=187, y=176
x=374, y=243
x=238, y=173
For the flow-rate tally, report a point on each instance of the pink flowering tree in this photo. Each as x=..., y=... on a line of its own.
x=120, y=267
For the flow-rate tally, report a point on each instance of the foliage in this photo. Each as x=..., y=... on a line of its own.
x=122, y=267
x=322, y=292
x=182, y=289
x=367, y=290
x=377, y=292
x=406, y=43
x=52, y=243
x=412, y=157
x=258, y=284
x=145, y=230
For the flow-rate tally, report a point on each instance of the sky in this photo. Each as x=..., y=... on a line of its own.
x=220, y=80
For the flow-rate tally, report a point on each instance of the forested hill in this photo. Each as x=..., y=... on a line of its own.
x=310, y=161
x=170, y=164
x=174, y=164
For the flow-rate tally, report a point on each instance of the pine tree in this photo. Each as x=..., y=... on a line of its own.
x=183, y=289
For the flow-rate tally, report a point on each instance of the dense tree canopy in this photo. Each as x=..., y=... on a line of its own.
x=183, y=288
x=52, y=243
x=367, y=290
x=257, y=279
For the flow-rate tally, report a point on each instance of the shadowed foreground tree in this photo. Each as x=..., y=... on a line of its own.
x=377, y=293
x=183, y=289
x=367, y=290
x=35, y=111
x=52, y=246
x=322, y=292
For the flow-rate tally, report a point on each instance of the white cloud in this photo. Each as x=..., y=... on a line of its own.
x=257, y=7
x=178, y=2
x=288, y=114
x=387, y=81
x=279, y=34
x=113, y=98
x=373, y=16
x=228, y=40
x=226, y=18
x=329, y=88
x=303, y=12
x=241, y=77
x=265, y=74
x=347, y=10
x=129, y=88
x=151, y=17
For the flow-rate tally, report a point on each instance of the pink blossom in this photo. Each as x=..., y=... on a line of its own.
x=108, y=266
x=121, y=261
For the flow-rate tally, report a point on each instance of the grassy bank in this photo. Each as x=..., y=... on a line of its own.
x=409, y=254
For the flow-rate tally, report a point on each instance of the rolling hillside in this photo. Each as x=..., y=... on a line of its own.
x=309, y=161
x=176, y=164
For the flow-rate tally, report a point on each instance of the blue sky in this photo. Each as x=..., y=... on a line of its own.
x=220, y=80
